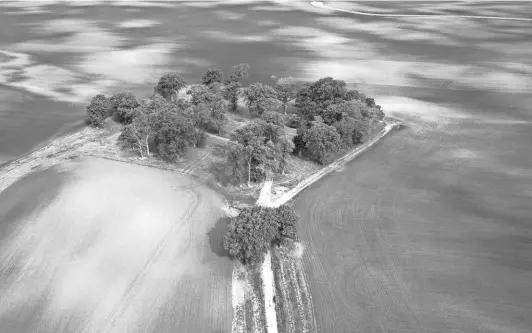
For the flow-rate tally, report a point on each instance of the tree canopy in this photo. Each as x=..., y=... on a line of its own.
x=137, y=135
x=273, y=117
x=201, y=94
x=123, y=106
x=318, y=95
x=212, y=75
x=240, y=73
x=97, y=110
x=261, y=149
x=251, y=233
x=169, y=85
x=286, y=91
x=174, y=133
x=260, y=98
x=321, y=139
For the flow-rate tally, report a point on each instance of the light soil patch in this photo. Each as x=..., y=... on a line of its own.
x=122, y=248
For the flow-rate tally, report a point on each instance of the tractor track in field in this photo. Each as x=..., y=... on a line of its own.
x=136, y=282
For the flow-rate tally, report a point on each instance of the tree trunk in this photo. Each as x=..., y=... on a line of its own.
x=147, y=144
x=140, y=149
x=249, y=170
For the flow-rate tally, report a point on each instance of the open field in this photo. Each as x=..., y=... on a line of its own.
x=119, y=248
x=137, y=41
x=429, y=231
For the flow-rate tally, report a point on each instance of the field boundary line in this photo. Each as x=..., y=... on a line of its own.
x=320, y=4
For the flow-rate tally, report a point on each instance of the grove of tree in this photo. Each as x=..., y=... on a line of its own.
x=251, y=233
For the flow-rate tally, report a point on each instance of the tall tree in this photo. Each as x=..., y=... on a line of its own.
x=200, y=94
x=137, y=135
x=231, y=93
x=250, y=234
x=287, y=222
x=273, y=117
x=261, y=150
x=125, y=106
x=212, y=75
x=260, y=98
x=211, y=115
x=240, y=73
x=169, y=85
x=174, y=133
x=321, y=139
x=286, y=91
x=314, y=97
x=97, y=110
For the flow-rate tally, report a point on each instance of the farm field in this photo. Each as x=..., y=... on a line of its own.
x=427, y=232
x=143, y=256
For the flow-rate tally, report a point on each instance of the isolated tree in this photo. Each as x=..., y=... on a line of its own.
x=286, y=91
x=125, y=107
x=97, y=110
x=273, y=117
x=321, y=139
x=250, y=234
x=260, y=98
x=169, y=85
x=137, y=135
x=239, y=73
x=212, y=75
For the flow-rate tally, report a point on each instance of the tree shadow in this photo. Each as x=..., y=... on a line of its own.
x=216, y=236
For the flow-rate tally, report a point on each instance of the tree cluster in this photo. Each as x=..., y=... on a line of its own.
x=169, y=122
x=260, y=150
x=331, y=117
x=252, y=232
